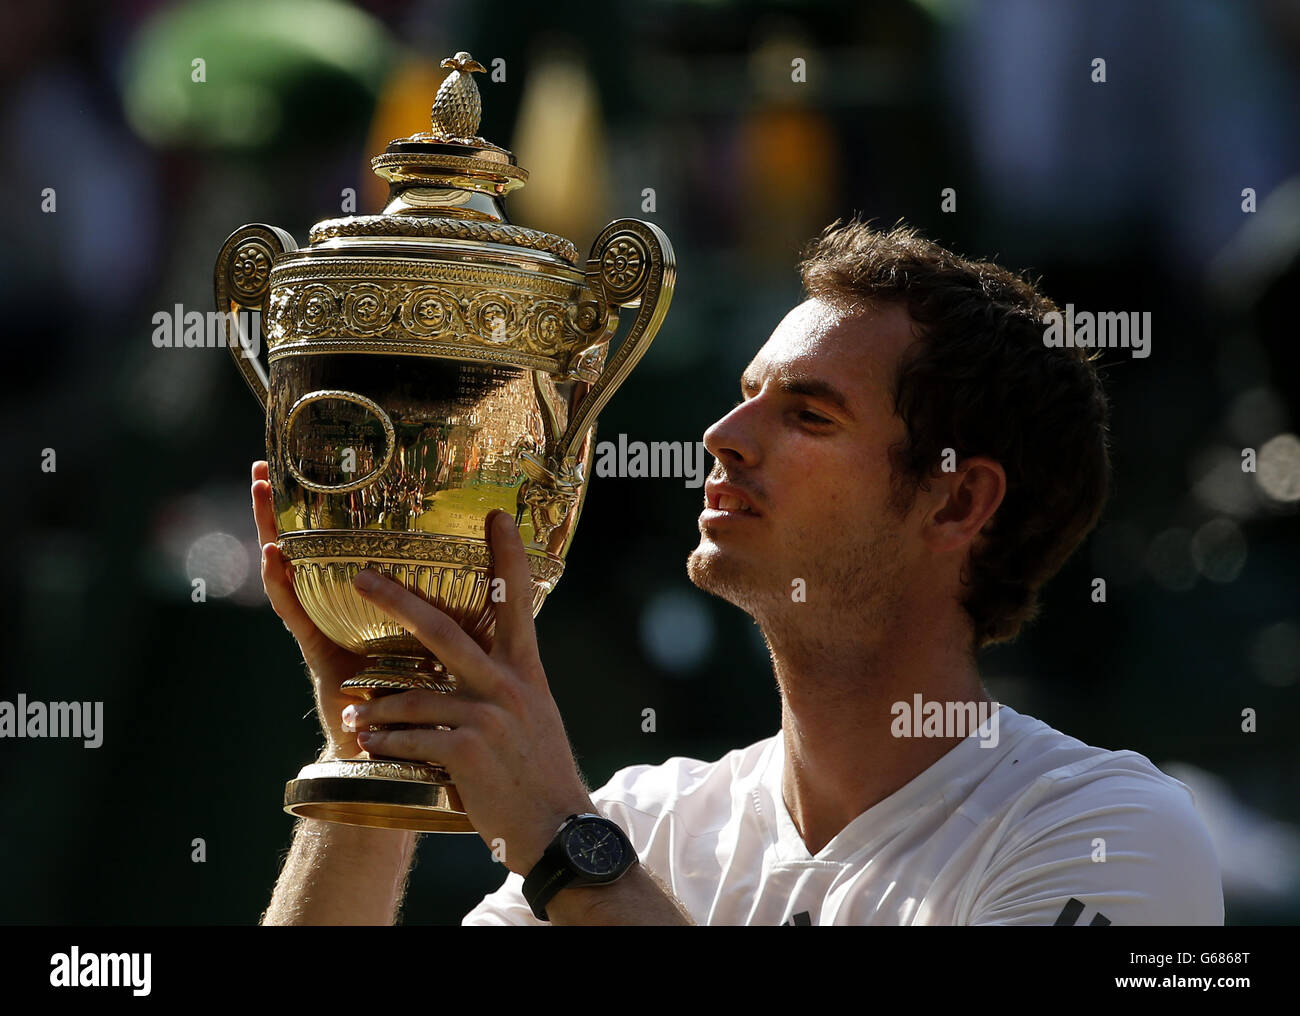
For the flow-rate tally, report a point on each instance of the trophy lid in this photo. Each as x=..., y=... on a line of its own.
x=453, y=146
x=448, y=181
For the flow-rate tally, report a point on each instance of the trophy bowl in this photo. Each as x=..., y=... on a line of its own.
x=425, y=367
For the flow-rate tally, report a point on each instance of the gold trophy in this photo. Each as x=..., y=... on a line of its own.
x=426, y=366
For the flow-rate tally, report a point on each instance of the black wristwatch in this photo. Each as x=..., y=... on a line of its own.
x=587, y=850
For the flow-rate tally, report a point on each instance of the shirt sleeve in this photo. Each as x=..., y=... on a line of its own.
x=506, y=906
x=1123, y=848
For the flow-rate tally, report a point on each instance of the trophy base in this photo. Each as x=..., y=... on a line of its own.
x=378, y=793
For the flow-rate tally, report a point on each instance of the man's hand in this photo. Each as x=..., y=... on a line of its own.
x=507, y=750
x=330, y=664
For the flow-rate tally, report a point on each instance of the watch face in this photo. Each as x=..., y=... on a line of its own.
x=594, y=848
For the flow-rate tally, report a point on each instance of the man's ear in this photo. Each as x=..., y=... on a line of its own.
x=973, y=493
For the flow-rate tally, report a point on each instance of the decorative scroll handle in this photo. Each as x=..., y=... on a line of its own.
x=633, y=265
x=242, y=279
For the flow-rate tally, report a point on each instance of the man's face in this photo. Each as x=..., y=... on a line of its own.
x=806, y=451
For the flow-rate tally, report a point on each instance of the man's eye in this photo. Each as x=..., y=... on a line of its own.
x=810, y=417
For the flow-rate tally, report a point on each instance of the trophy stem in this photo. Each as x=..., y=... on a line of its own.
x=396, y=672
x=380, y=792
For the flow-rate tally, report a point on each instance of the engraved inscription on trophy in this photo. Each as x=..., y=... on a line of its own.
x=337, y=441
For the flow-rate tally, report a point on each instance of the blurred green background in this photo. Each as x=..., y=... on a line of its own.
x=1122, y=195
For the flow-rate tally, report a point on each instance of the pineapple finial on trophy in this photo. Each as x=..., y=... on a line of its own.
x=457, y=106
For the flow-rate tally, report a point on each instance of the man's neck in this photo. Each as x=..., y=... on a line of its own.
x=837, y=698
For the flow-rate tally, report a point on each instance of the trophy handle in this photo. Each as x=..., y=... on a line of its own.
x=633, y=265
x=242, y=279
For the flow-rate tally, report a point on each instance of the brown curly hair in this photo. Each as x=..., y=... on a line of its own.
x=979, y=379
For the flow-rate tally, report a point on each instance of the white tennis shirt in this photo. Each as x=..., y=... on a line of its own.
x=1040, y=829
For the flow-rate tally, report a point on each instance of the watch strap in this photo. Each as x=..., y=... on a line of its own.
x=550, y=874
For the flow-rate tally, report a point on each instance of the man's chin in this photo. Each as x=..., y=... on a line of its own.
x=715, y=572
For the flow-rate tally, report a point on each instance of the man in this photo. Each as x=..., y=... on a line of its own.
x=907, y=465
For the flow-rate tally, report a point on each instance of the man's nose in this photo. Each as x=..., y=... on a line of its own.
x=732, y=440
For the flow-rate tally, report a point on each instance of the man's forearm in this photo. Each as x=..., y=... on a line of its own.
x=342, y=874
x=636, y=898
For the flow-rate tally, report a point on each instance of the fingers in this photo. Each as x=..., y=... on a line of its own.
x=435, y=630
x=261, y=470
x=277, y=578
x=515, y=632
x=264, y=513
x=418, y=707
x=436, y=746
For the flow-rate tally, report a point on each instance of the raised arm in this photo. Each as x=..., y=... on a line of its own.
x=341, y=874
x=334, y=874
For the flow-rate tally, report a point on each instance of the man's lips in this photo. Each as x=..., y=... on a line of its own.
x=727, y=499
